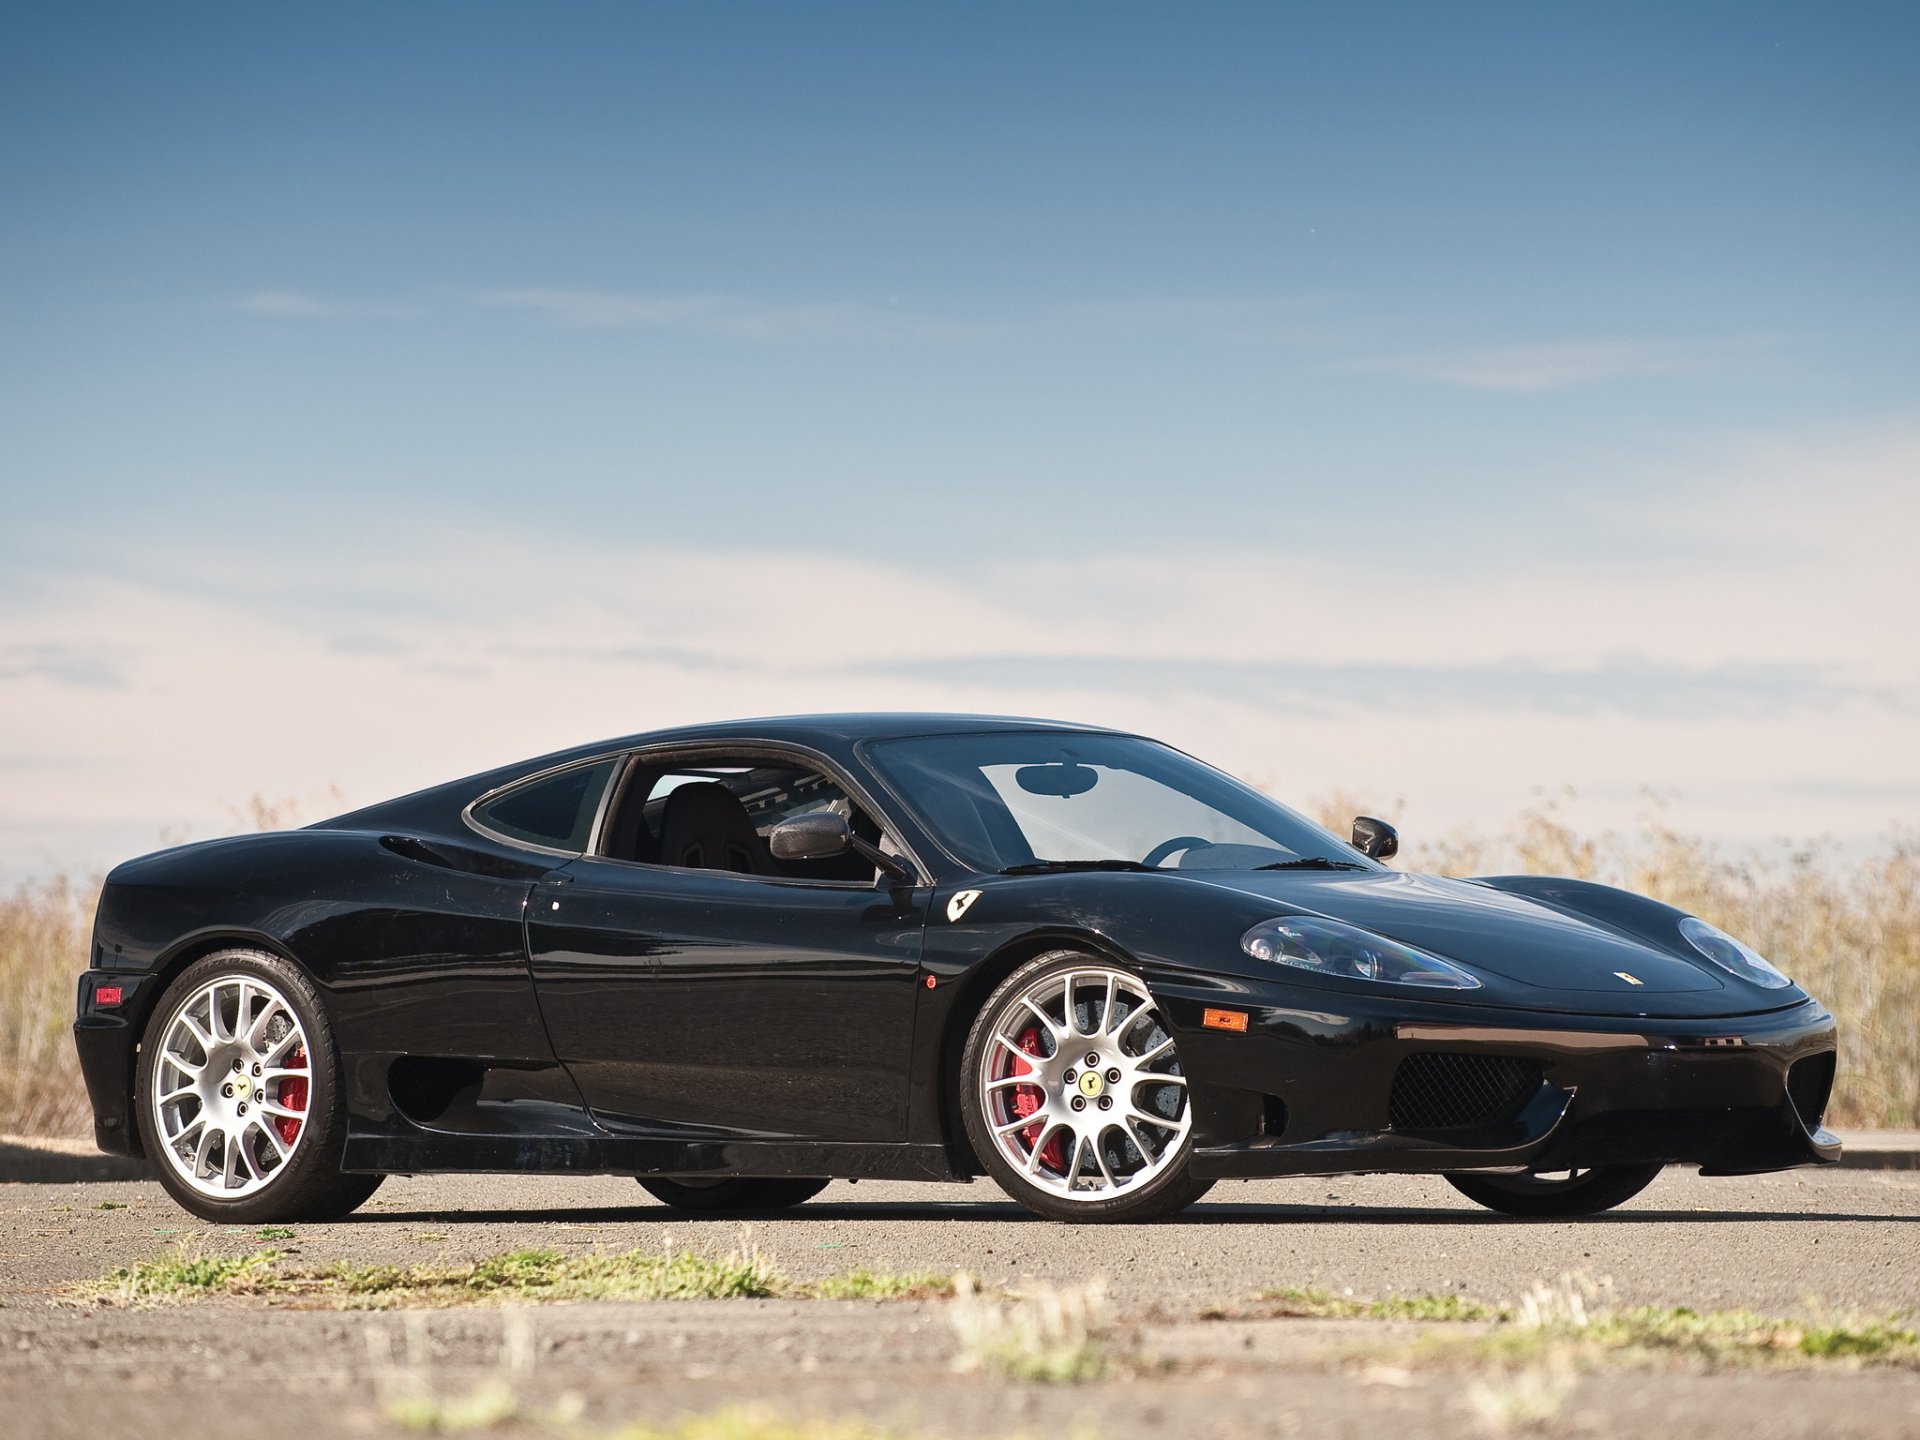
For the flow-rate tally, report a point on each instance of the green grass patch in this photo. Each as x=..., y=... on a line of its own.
x=1289, y=1301
x=518, y=1276
x=1569, y=1324
x=865, y=1284
x=1652, y=1334
x=537, y=1275
x=184, y=1274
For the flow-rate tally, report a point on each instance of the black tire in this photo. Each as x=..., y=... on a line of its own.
x=742, y=1193
x=1167, y=1193
x=1579, y=1192
x=309, y=1185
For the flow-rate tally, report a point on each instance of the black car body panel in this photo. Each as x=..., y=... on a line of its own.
x=507, y=1006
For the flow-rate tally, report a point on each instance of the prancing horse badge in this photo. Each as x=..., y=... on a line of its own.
x=957, y=906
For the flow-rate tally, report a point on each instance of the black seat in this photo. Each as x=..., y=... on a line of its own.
x=705, y=827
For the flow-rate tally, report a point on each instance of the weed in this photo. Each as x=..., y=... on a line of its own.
x=1046, y=1334
x=411, y=1400
x=865, y=1284
x=1288, y=1300
x=1512, y=1402
x=185, y=1274
x=1571, y=1320
x=516, y=1276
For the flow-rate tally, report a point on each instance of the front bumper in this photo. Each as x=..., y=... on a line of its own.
x=1324, y=1091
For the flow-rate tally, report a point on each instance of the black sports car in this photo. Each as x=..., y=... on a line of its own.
x=739, y=960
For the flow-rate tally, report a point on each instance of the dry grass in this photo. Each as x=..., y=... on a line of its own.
x=1848, y=931
x=44, y=934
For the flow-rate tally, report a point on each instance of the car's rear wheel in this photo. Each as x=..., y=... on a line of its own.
x=1557, y=1194
x=239, y=1098
x=739, y=1193
x=1073, y=1096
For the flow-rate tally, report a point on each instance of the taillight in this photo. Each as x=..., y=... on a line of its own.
x=104, y=995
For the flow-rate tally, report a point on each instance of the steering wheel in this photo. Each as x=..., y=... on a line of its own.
x=1179, y=842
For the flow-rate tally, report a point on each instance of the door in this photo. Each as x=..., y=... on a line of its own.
x=707, y=1000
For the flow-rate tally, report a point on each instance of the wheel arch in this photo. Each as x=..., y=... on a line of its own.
x=973, y=991
x=169, y=966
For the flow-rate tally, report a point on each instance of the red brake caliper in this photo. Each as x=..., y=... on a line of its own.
x=1028, y=1098
x=293, y=1095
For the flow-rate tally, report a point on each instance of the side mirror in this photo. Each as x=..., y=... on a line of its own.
x=819, y=836
x=1375, y=838
x=823, y=835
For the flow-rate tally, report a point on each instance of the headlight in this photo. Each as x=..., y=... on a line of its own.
x=1330, y=948
x=1731, y=955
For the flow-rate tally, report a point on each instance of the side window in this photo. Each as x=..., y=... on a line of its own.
x=714, y=813
x=555, y=811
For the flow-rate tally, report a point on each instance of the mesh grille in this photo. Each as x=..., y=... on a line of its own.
x=1433, y=1091
x=1810, y=1082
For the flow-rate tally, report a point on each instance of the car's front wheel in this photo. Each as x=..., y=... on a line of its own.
x=239, y=1098
x=1558, y=1194
x=1073, y=1096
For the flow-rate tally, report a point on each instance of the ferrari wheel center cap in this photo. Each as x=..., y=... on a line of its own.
x=1090, y=1083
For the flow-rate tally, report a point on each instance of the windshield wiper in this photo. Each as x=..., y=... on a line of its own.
x=1313, y=862
x=1044, y=867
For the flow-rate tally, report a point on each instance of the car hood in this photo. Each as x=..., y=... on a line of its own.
x=1534, y=947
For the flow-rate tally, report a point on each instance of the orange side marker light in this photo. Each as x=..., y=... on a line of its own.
x=1235, y=1020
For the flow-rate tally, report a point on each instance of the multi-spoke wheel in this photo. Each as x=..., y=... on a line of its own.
x=1559, y=1194
x=238, y=1095
x=1073, y=1094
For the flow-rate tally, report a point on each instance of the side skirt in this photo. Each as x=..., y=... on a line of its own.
x=402, y=1148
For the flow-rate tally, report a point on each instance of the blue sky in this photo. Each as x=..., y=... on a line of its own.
x=1443, y=402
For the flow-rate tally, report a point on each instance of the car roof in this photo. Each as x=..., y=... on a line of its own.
x=836, y=730
x=834, y=735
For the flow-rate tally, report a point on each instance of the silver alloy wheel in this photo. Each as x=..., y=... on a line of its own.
x=231, y=1086
x=1081, y=1088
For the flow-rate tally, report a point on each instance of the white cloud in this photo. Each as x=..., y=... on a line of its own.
x=1558, y=366
x=1765, y=669
x=1247, y=318
x=728, y=315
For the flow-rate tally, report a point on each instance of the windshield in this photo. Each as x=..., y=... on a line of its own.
x=1017, y=799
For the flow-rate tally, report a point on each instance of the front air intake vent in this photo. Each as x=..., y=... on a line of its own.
x=1435, y=1091
x=1810, y=1082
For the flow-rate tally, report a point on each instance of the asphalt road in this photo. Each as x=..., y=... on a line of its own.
x=1801, y=1243
x=1845, y=1240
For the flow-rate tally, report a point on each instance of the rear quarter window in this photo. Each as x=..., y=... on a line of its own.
x=556, y=811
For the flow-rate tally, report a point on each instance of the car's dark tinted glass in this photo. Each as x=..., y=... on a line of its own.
x=556, y=811
x=744, y=798
x=1019, y=798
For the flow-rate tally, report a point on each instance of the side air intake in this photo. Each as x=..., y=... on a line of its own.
x=1810, y=1083
x=1435, y=1091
